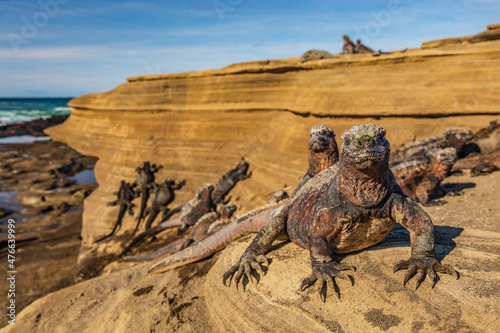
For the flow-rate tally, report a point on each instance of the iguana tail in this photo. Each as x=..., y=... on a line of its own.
x=152, y=215
x=144, y=202
x=170, y=248
x=250, y=223
x=150, y=233
x=118, y=223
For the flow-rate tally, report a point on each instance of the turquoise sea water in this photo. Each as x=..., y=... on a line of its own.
x=18, y=110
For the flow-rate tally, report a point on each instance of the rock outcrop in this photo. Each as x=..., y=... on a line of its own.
x=198, y=124
x=129, y=300
x=492, y=33
x=315, y=55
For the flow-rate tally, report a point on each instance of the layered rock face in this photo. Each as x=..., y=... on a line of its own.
x=199, y=124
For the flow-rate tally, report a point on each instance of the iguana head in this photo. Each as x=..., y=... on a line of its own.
x=242, y=166
x=444, y=156
x=205, y=192
x=321, y=138
x=365, y=146
x=458, y=135
x=226, y=210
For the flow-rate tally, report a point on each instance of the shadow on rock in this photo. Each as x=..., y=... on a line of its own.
x=443, y=238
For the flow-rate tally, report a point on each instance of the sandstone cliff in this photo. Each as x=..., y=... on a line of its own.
x=199, y=124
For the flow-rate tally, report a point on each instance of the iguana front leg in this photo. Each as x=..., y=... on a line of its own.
x=324, y=267
x=422, y=261
x=254, y=254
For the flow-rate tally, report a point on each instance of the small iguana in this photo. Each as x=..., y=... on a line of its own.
x=360, y=48
x=145, y=183
x=228, y=180
x=418, y=179
x=323, y=153
x=346, y=208
x=417, y=151
x=349, y=47
x=163, y=196
x=200, y=205
x=125, y=195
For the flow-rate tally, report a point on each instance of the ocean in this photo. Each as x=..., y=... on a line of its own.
x=18, y=110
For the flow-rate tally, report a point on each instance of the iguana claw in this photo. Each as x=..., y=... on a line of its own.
x=325, y=272
x=250, y=260
x=423, y=267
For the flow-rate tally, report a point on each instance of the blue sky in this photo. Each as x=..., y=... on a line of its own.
x=57, y=48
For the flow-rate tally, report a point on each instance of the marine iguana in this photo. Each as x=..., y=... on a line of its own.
x=145, y=182
x=416, y=151
x=197, y=207
x=319, y=160
x=199, y=231
x=322, y=153
x=228, y=180
x=190, y=213
x=349, y=46
x=360, y=48
x=162, y=197
x=346, y=208
x=418, y=179
x=125, y=195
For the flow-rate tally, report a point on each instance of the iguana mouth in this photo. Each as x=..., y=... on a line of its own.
x=319, y=146
x=372, y=155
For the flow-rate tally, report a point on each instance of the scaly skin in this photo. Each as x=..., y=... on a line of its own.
x=346, y=208
x=163, y=196
x=418, y=150
x=323, y=153
x=245, y=225
x=146, y=183
x=419, y=179
x=125, y=195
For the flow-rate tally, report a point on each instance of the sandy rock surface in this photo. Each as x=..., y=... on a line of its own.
x=132, y=301
x=126, y=299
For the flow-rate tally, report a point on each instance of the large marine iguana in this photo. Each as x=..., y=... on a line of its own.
x=199, y=231
x=162, y=197
x=145, y=183
x=346, y=208
x=417, y=151
x=323, y=153
x=125, y=195
x=418, y=179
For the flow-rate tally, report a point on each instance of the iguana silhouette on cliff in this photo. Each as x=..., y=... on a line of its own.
x=145, y=183
x=125, y=195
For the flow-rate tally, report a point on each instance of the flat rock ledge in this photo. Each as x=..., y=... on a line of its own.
x=189, y=299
